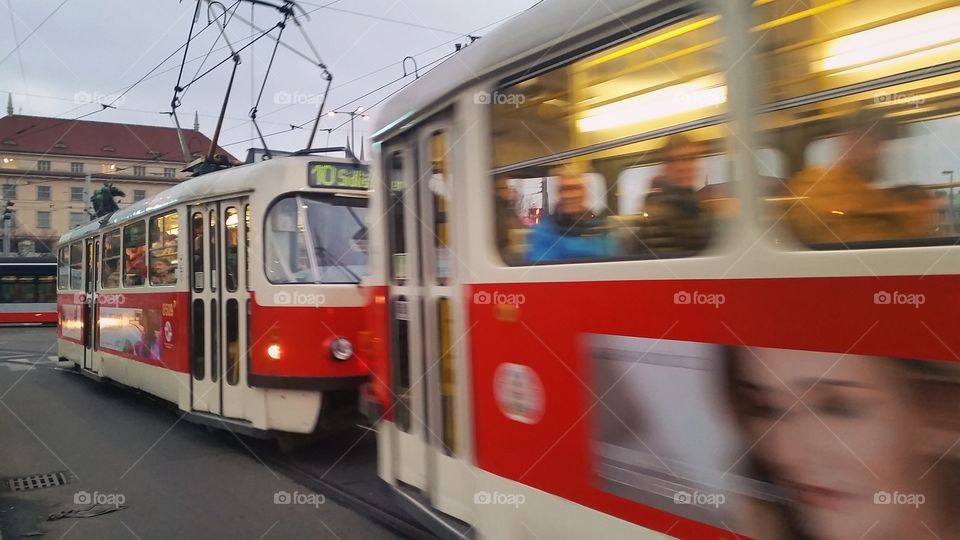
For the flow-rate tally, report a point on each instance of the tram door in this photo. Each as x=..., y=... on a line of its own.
x=426, y=370
x=218, y=307
x=90, y=303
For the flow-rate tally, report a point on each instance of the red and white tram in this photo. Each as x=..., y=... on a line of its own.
x=735, y=312
x=234, y=295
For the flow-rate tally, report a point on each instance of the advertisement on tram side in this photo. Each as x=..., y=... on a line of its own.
x=771, y=442
x=138, y=332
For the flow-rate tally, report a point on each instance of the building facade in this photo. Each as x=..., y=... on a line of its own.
x=44, y=164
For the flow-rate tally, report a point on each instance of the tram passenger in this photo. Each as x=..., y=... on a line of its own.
x=841, y=204
x=675, y=217
x=573, y=231
x=136, y=267
x=161, y=272
x=509, y=224
x=856, y=445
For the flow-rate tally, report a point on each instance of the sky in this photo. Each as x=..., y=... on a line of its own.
x=75, y=54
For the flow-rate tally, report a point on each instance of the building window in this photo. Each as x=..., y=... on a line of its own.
x=43, y=219
x=139, y=170
x=139, y=195
x=43, y=193
x=9, y=192
x=76, y=167
x=76, y=194
x=169, y=172
x=43, y=165
x=77, y=219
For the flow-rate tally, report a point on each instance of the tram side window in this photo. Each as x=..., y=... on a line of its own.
x=643, y=197
x=76, y=266
x=63, y=268
x=20, y=290
x=164, y=235
x=874, y=167
x=46, y=289
x=134, y=254
x=110, y=261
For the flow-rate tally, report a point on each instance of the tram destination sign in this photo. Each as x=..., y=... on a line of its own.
x=338, y=176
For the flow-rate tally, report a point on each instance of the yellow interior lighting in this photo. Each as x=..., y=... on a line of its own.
x=918, y=35
x=666, y=102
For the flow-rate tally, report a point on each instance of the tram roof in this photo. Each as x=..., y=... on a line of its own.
x=532, y=35
x=219, y=184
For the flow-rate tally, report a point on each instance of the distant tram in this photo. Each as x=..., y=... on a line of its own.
x=28, y=290
x=234, y=295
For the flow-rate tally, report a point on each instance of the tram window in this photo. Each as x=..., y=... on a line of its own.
x=164, y=237
x=110, y=261
x=316, y=239
x=134, y=254
x=643, y=196
x=197, y=250
x=395, y=215
x=231, y=244
x=665, y=78
x=197, y=343
x=440, y=185
x=214, y=340
x=246, y=245
x=400, y=357
x=19, y=290
x=805, y=48
x=232, y=316
x=214, y=250
x=656, y=199
x=76, y=266
x=868, y=173
x=447, y=375
x=63, y=268
x=46, y=289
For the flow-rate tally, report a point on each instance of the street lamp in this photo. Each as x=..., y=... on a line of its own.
x=953, y=220
x=353, y=115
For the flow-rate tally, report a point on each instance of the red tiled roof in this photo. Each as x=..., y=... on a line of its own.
x=37, y=134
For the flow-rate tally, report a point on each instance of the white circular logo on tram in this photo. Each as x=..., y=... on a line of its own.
x=519, y=393
x=168, y=331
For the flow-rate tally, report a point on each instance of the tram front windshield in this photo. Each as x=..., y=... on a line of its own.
x=316, y=239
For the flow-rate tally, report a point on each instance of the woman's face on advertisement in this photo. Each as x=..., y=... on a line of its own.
x=839, y=433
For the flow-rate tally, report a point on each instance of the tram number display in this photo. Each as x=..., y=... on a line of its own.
x=339, y=176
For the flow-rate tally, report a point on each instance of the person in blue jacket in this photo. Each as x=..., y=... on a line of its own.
x=573, y=231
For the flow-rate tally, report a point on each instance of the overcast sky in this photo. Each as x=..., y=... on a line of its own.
x=92, y=50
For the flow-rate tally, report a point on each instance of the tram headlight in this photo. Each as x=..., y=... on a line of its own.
x=341, y=349
x=273, y=351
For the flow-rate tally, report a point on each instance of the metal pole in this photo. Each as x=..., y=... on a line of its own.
x=353, y=139
x=6, y=236
x=87, y=194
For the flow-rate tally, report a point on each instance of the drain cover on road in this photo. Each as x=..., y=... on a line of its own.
x=37, y=481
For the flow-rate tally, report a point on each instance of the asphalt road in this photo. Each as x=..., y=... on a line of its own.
x=175, y=479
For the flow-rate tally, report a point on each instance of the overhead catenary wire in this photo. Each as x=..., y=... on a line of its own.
x=298, y=126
